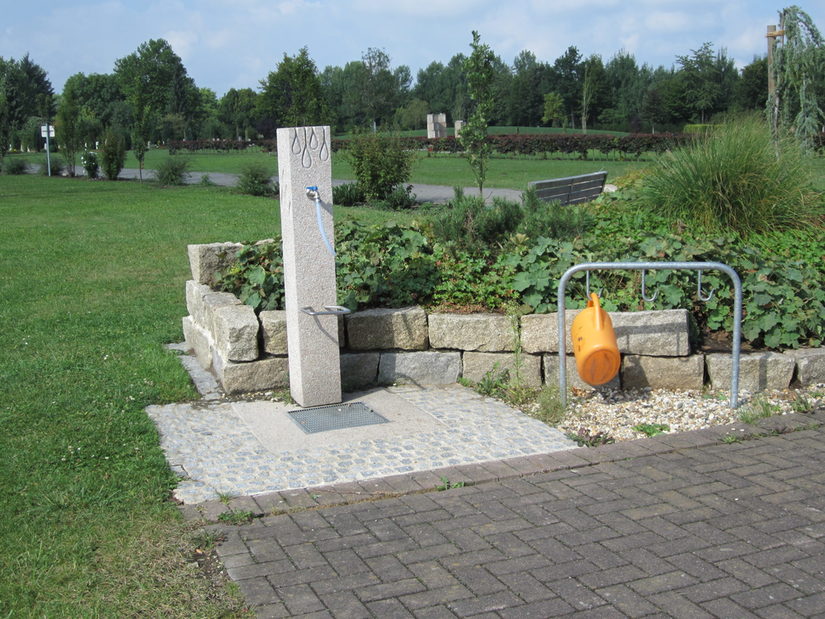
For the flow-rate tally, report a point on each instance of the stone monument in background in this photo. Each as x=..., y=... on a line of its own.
x=436, y=125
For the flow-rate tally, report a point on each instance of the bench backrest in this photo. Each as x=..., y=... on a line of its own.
x=571, y=189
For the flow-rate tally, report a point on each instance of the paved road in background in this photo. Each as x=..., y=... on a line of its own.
x=424, y=193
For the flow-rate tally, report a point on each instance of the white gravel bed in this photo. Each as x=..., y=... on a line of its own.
x=616, y=413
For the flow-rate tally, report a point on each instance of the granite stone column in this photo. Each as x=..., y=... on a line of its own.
x=305, y=160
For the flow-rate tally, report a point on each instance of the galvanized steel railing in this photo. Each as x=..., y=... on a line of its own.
x=653, y=266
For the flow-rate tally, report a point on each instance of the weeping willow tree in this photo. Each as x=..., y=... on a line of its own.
x=799, y=61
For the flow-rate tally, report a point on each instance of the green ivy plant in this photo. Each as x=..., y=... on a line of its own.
x=393, y=265
x=257, y=276
x=383, y=265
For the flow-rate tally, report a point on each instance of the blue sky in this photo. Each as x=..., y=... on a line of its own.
x=235, y=43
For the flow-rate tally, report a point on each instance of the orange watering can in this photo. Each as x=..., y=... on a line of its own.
x=594, y=344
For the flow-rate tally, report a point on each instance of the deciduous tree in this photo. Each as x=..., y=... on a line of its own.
x=413, y=115
x=524, y=96
x=291, y=94
x=752, y=88
x=627, y=84
x=567, y=81
x=28, y=94
x=594, y=89
x=382, y=89
x=479, y=70
x=155, y=83
x=102, y=103
x=553, y=110
x=708, y=81
x=236, y=110
x=68, y=129
x=434, y=86
x=5, y=118
x=799, y=63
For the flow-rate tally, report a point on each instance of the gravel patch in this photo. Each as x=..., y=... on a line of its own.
x=615, y=413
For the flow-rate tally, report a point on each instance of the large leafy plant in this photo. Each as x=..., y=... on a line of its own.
x=257, y=276
x=389, y=265
x=394, y=265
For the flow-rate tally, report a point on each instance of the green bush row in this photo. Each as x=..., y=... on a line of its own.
x=530, y=144
x=393, y=265
x=632, y=145
x=514, y=144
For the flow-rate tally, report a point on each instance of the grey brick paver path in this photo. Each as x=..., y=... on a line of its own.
x=705, y=531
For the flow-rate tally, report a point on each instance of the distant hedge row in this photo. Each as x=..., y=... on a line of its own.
x=562, y=143
x=515, y=144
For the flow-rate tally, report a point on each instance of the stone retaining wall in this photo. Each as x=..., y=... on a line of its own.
x=385, y=346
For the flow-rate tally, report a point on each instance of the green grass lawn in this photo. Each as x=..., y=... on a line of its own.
x=92, y=288
x=509, y=173
x=210, y=161
x=450, y=170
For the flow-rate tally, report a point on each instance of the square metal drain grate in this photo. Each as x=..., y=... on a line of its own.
x=335, y=417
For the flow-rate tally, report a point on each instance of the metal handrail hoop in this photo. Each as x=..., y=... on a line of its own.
x=653, y=266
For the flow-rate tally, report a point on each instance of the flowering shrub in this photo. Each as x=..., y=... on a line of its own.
x=90, y=164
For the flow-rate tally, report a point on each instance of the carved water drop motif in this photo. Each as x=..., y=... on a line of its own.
x=306, y=142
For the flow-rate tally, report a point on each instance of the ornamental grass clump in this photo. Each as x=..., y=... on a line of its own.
x=735, y=179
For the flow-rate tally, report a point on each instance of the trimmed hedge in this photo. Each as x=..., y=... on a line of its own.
x=634, y=144
x=221, y=145
x=514, y=144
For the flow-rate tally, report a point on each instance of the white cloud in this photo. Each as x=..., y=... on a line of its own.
x=222, y=38
x=435, y=10
x=572, y=8
x=291, y=7
x=182, y=41
x=630, y=44
x=667, y=21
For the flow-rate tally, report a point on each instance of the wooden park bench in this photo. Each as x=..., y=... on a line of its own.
x=570, y=189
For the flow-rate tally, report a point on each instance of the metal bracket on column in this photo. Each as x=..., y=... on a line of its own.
x=329, y=310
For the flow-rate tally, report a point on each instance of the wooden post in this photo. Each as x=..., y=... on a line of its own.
x=772, y=35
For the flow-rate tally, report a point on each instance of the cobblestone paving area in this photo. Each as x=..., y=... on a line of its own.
x=682, y=526
x=217, y=453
